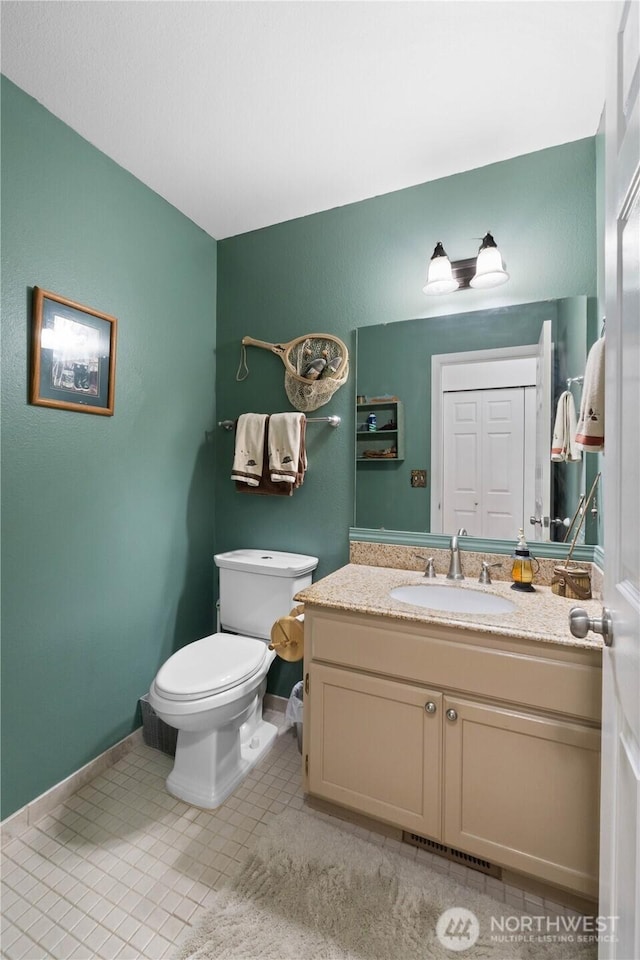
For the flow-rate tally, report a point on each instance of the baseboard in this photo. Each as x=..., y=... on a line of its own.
x=351, y=816
x=273, y=702
x=14, y=825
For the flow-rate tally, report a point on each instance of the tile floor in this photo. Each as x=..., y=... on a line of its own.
x=123, y=870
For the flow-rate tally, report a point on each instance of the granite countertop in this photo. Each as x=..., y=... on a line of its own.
x=541, y=615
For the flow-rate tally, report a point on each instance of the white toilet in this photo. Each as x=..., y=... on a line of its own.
x=212, y=689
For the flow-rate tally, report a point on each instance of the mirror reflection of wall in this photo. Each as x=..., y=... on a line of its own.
x=396, y=359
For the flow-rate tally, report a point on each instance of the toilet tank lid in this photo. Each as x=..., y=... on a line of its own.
x=271, y=563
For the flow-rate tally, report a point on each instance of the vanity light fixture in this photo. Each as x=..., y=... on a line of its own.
x=439, y=274
x=490, y=271
x=481, y=272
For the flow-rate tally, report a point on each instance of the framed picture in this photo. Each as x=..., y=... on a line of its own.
x=73, y=355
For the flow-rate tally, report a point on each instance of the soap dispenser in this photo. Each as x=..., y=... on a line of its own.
x=522, y=570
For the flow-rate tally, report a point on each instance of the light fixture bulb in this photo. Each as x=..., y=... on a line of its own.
x=439, y=274
x=490, y=268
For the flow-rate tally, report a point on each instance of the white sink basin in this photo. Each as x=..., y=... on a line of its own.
x=450, y=597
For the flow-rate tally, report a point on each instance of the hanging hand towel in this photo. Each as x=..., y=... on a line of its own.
x=590, y=429
x=249, y=449
x=266, y=487
x=287, y=459
x=563, y=446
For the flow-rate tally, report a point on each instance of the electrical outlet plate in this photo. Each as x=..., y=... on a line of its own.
x=418, y=478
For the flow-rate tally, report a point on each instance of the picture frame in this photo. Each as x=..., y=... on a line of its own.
x=73, y=355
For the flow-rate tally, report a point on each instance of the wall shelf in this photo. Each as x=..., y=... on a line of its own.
x=389, y=414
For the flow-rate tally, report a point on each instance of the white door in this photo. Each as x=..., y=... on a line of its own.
x=503, y=465
x=461, y=462
x=483, y=462
x=620, y=802
x=544, y=387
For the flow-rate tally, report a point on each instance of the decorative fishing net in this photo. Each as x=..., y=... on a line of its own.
x=316, y=365
x=305, y=394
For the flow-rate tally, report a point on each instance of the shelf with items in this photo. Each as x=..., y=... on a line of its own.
x=385, y=443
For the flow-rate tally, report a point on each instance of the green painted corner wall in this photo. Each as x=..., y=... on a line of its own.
x=365, y=264
x=107, y=522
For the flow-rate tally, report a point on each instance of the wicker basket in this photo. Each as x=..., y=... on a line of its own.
x=569, y=578
x=155, y=732
x=572, y=582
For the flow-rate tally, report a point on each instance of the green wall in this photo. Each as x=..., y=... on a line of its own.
x=107, y=523
x=365, y=264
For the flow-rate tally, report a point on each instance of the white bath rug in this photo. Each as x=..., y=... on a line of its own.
x=313, y=891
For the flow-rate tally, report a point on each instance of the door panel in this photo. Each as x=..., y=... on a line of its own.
x=503, y=466
x=483, y=465
x=461, y=461
x=375, y=748
x=620, y=801
x=544, y=388
x=523, y=790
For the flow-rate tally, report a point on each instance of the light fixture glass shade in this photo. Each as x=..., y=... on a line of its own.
x=439, y=275
x=490, y=271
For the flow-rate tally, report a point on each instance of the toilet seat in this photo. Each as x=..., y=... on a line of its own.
x=209, y=666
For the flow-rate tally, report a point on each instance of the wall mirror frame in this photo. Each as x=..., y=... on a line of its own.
x=395, y=360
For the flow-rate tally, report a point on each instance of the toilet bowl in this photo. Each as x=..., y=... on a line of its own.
x=212, y=689
x=217, y=712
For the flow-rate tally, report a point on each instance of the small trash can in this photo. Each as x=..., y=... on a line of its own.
x=155, y=732
x=294, y=710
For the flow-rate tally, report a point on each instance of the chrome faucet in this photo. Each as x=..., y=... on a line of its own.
x=485, y=573
x=455, y=567
x=430, y=570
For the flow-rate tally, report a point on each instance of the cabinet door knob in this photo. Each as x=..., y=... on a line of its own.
x=452, y=714
x=430, y=707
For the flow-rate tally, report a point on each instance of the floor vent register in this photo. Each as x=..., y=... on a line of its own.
x=450, y=853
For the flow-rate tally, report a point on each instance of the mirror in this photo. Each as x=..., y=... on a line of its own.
x=440, y=385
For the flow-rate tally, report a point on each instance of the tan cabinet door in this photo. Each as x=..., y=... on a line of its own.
x=375, y=746
x=522, y=790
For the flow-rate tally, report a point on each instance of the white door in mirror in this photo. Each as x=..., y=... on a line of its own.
x=483, y=478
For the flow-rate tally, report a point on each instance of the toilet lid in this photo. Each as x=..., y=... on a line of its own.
x=210, y=666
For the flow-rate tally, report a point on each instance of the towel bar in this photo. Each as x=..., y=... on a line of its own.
x=333, y=421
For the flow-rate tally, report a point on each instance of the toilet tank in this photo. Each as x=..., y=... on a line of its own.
x=258, y=586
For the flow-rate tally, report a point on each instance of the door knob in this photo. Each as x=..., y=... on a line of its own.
x=543, y=521
x=580, y=623
x=452, y=714
x=430, y=707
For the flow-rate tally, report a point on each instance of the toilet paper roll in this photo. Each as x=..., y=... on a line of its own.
x=287, y=636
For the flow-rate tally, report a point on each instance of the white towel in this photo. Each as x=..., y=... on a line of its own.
x=285, y=438
x=249, y=449
x=563, y=446
x=590, y=428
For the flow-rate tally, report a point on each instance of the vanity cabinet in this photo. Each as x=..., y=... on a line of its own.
x=373, y=446
x=487, y=744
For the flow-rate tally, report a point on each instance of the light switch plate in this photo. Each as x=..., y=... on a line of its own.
x=418, y=478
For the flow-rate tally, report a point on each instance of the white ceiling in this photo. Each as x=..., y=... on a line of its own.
x=244, y=114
